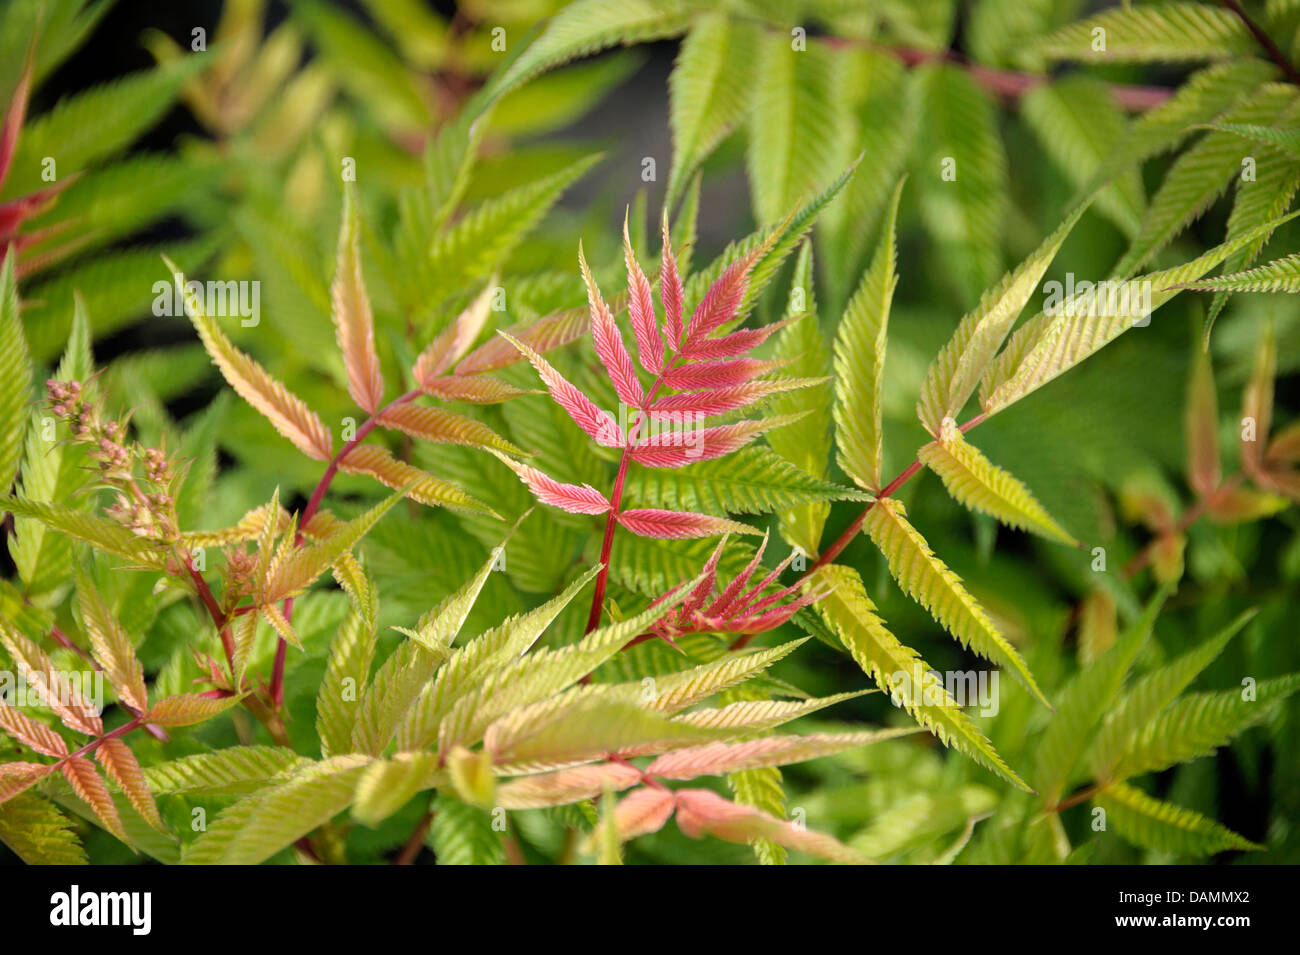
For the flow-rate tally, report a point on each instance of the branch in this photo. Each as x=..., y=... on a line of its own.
x=276, y=689
x=1265, y=41
x=1011, y=84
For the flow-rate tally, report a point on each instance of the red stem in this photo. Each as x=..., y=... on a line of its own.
x=63, y=640
x=1265, y=41
x=888, y=490
x=276, y=688
x=616, y=499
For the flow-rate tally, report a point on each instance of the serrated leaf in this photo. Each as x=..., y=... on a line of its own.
x=963, y=215
x=799, y=130
x=708, y=92
x=354, y=325
x=98, y=532
x=1081, y=704
x=302, y=565
x=1079, y=125
x=1049, y=345
x=1163, y=826
x=36, y=832
x=927, y=579
x=1159, y=32
x=186, y=709
x=981, y=485
x=260, y=825
x=852, y=616
x=235, y=771
x=290, y=415
x=15, y=375
x=754, y=480
x=860, y=361
x=956, y=372
x=389, y=784
x=586, y=27
x=113, y=649
x=1198, y=724
x=1199, y=176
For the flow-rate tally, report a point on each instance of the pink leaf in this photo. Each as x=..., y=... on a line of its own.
x=16, y=111
x=676, y=449
x=643, y=811
x=676, y=525
x=476, y=389
x=737, y=343
x=599, y=425
x=670, y=290
x=455, y=339
x=543, y=334
x=718, y=305
x=718, y=374
x=641, y=310
x=609, y=343
x=716, y=401
x=725, y=599
x=701, y=812
x=574, y=498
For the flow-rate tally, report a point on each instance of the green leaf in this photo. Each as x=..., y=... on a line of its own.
x=1150, y=695
x=294, y=573
x=1199, y=176
x=260, y=825
x=36, y=832
x=1198, y=724
x=1159, y=32
x=586, y=27
x=96, y=123
x=346, y=674
x=1049, y=345
x=461, y=834
x=52, y=471
x=1199, y=100
x=979, y=484
x=486, y=236
x=899, y=670
x=800, y=131
x=1288, y=139
x=808, y=447
x=927, y=580
x=755, y=480
x=860, y=361
x=1280, y=275
x=388, y=785
x=955, y=373
x=959, y=138
x=367, y=67
x=1260, y=200
x=549, y=734
x=98, y=532
x=15, y=376
x=1163, y=826
x=236, y=771
x=1081, y=705
x=1079, y=125
x=708, y=92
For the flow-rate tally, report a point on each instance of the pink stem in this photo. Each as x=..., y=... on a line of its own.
x=616, y=499
x=313, y=505
x=852, y=530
